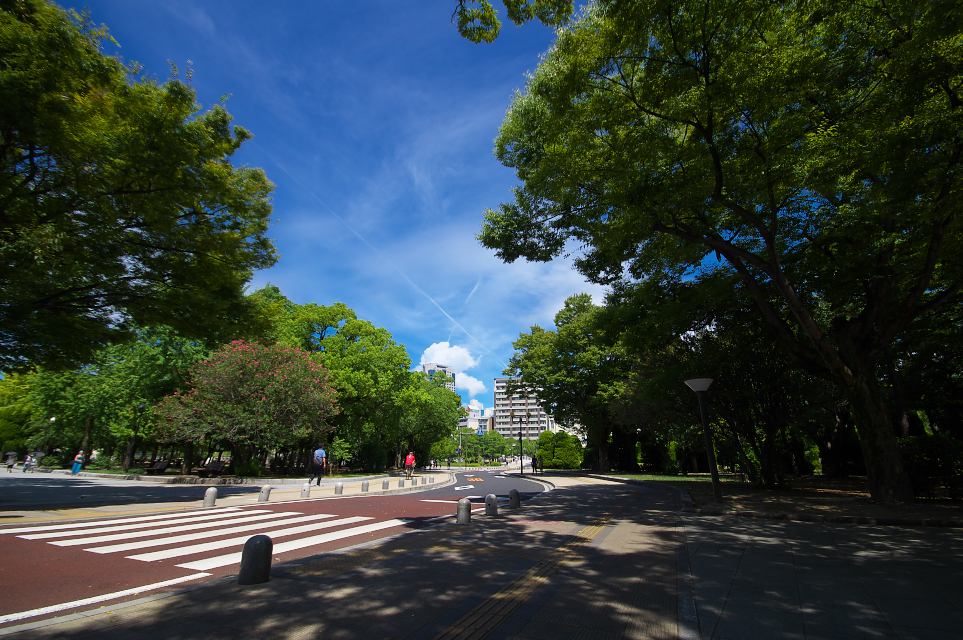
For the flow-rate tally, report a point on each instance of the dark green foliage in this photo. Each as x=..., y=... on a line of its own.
x=118, y=201
x=934, y=461
x=810, y=150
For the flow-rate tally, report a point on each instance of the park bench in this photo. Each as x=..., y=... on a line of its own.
x=211, y=469
x=158, y=467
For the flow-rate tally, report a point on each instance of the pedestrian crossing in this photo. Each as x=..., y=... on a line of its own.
x=204, y=539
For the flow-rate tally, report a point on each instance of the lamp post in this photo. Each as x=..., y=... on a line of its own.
x=129, y=458
x=511, y=421
x=700, y=386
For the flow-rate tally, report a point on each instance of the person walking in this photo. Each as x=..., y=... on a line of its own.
x=410, y=465
x=534, y=465
x=320, y=461
x=27, y=463
x=11, y=461
x=78, y=462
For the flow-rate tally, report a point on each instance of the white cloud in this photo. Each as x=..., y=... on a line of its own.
x=472, y=385
x=454, y=356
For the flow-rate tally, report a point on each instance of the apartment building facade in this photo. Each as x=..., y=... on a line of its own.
x=529, y=415
x=432, y=367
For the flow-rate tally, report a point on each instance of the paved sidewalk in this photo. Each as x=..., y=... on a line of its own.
x=584, y=561
x=590, y=560
x=765, y=579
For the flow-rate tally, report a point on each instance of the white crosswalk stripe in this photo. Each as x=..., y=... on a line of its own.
x=232, y=558
x=232, y=542
x=212, y=520
x=190, y=527
x=208, y=532
x=202, y=535
x=88, y=524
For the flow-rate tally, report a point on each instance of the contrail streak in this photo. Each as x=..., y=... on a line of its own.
x=383, y=256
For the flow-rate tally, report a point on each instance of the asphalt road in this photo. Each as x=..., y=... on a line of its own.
x=45, y=565
x=45, y=491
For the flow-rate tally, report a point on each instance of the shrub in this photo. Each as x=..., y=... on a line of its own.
x=933, y=461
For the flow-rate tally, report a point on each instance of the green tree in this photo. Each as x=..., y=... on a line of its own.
x=811, y=149
x=576, y=373
x=493, y=445
x=16, y=412
x=108, y=390
x=568, y=451
x=368, y=368
x=118, y=201
x=253, y=396
x=478, y=19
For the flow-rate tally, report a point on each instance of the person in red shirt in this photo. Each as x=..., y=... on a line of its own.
x=409, y=464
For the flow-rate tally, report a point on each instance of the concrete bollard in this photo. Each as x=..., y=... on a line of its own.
x=364, y=486
x=256, y=560
x=338, y=488
x=384, y=485
x=514, y=499
x=306, y=490
x=491, y=505
x=464, y=511
x=265, y=494
x=401, y=483
x=210, y=497
x=424, y=480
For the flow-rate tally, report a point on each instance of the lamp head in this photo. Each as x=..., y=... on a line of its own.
x=699, y=385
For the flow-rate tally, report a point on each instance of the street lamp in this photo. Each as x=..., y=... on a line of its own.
x=511, y=421
x=129, y=458
x=700, y=386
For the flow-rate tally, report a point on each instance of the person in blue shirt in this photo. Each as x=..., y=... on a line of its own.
x=320, y=458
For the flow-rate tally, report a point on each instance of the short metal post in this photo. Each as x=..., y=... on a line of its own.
x=464, y=511
x=364, y=486
x=424, y=480
x=306, y=490
x=384, y=485
x=256, y=560
x=514, y=499
x=491, y=505
x=210, y=497
x=265, y=494
x=338, y=488
x=431, y=479
x=401, y=482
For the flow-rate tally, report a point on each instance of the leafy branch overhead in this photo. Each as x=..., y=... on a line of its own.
x=812, y=150
x=478, y=21
x=119, y=204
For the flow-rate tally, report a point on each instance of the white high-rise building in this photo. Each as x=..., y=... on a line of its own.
x=529, y=415
x=432, y=367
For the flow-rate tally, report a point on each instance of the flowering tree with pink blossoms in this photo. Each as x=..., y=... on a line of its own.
x=253, y=396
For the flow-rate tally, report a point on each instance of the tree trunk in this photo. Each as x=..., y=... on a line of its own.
x=240, y=458
x=885, y=471
x=188, y=458
x=85, y=443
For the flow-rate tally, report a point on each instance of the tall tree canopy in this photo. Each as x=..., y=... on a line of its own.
x=576, y=374
x=118, y=200
x=811, y=148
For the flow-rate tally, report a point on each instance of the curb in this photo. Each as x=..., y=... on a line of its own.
x=548, y=483
x=206, y=481
x=808, y=517
x=415, y=489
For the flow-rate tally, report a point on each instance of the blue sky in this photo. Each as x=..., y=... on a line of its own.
x=375, y=120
